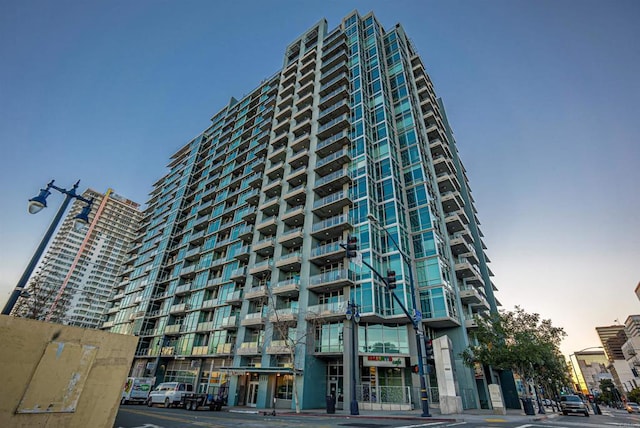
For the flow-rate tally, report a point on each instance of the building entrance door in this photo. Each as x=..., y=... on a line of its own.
x=252, y=397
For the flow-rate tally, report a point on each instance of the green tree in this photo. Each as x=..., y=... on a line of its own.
x=606, y=391
x=634, y=395
x=521, y=342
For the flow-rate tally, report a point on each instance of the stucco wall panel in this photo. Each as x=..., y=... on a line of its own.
x=28, y=374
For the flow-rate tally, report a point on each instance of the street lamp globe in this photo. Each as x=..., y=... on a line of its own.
x=37, y=203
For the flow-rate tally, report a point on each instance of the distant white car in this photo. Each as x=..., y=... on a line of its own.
x=168, y=393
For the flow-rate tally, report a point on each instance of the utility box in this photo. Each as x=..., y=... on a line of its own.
x=55, y=375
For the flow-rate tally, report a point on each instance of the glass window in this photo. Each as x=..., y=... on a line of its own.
x=284, y=387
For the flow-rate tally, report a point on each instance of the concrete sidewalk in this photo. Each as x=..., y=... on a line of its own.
x=513, y=415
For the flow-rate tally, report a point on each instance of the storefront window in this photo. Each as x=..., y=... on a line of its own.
x=284, y=387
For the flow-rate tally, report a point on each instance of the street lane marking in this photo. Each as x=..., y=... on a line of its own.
x=161, y=416
x=422, y=425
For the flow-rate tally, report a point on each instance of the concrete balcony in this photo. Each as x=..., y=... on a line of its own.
x=332, y=227
x=249, y=348
x=188, y=271
x=243, y=253
x=332, y=183
x=235, y=298
x=332, y=204
x=206, y=326
x=238, y=274
x=256, y=293
x=337, y=81
x=332, y=280
x=447, y=183
x=183, y=289
x=334, y=126
x=284, y=315
x=264, y=247
x=332, y=144
x=333, y=111
x=470, y=295
x=268, y=225
x=261, y=268
x=200, y=350
x=334, y=161
x=224, y=349
x=290, y=261
x=482, y=306
x=327, y=312
x=291, y=238
x=301, y=141
x=299, y=158
x=273, y=187
x=455, y=222
x=296, y=194
x=443, y=165
x=192, y=254
x=173, y=329
x=179, y=308
x=328, y=253
x=297, y=176
x=252, y=320
x=470, y=323
x=278, y=347
x=293, y=216
x=211, y=304
x=230, y=323
x=290, y=287
x=245, y=232
x=459, y=246
x=252, y=197
x=215, y=283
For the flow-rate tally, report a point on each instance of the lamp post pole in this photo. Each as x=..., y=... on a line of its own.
x=353, y=315
x=424, y=399
x=35, y=205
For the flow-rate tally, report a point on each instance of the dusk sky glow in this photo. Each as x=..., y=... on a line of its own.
x=542, y=96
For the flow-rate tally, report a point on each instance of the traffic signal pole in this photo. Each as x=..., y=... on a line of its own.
x=351, y=248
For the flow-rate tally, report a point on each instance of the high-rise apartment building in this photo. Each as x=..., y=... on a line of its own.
x=612, y=338
x=237, y=278
x=77, y=274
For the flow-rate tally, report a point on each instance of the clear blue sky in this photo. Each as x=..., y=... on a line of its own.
x=543, y=97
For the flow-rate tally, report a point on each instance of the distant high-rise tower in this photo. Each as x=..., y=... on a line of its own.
x=238, y=278
x=612, y=338
x=79, y=270
x=632, y=326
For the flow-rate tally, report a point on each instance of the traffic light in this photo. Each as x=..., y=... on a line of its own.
x=428, y=345
x=352, y=246
x=415, y=368
x=391, y=279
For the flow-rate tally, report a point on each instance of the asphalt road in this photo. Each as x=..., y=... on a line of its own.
x=132, y=416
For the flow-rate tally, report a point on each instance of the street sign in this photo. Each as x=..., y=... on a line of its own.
x=417, y=315
x=357, y=260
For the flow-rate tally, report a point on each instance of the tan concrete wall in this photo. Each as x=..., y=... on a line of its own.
x=60, y=376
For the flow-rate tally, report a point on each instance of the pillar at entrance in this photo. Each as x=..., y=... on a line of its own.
x=450, y=402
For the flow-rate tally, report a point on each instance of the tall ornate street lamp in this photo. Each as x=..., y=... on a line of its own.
x=36, y=204
x=416, y=320
x=353, y=314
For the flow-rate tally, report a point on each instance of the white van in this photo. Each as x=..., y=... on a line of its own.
x=169, y=393
x=136, y=389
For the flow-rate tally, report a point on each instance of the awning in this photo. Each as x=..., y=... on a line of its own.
x=240, y=371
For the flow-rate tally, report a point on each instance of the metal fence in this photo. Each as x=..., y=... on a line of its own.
x=432, y=395
x=384, y=397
